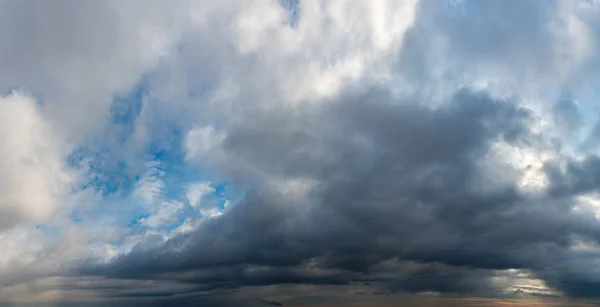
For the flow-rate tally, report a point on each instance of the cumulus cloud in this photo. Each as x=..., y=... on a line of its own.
x=410, y=200
x=34, y=178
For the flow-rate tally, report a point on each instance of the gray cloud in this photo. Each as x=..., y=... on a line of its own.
x=393, y=181
x=338, y=187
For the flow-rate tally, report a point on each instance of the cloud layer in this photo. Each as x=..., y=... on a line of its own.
x=389, y=149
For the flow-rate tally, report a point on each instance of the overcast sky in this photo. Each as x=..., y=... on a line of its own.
x=304, y=153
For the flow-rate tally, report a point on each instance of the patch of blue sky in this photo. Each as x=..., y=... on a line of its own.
x=105, y=159
x=107, y=173
x=126, y=109
x=227, y=193
x=175, y=175
x=168, y=149
x=169, y=160
x=103, y=155
x=136, y=217
x=292, y=8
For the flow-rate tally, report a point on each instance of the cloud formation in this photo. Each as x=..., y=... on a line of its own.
x=284, y=151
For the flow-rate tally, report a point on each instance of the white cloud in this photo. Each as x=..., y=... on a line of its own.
x=78, y=56
x=212, y=213
x=150, y=191
x=294, y=189
x=150, y=188
x=507, y=163
x=197, y=191
x=163, y=215
x=33, y=176
x=201, y=140
x=187, y=226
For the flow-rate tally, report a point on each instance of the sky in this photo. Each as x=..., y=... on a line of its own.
x=433, y=153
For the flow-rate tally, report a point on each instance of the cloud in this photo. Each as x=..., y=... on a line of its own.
x=410, y=194
x=396, y=149
x=34, y=178
x=197, y=191
x=78, y=57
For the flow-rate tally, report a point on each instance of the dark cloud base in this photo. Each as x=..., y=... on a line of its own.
x=396, y=183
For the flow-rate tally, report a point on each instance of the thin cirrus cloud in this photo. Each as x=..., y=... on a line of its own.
x=299, y=153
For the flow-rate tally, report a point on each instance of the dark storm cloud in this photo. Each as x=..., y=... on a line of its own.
x=394, y=181
x=398, y=181
x=270, y=303
x=212, y=302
